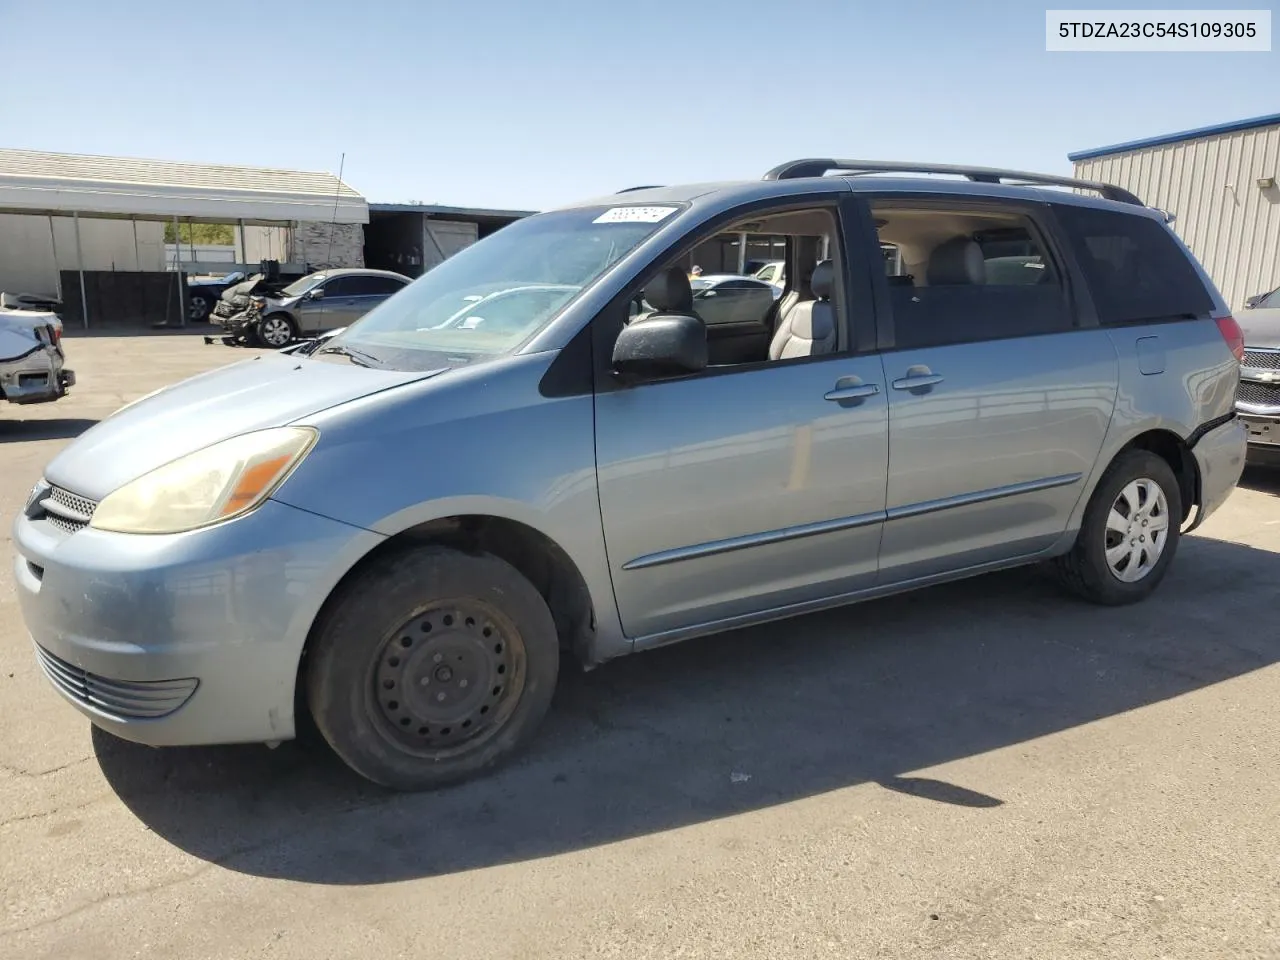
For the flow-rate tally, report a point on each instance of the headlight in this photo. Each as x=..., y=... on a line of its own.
x=217, y=483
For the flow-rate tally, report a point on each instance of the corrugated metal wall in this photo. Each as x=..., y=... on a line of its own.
x=1211, y=184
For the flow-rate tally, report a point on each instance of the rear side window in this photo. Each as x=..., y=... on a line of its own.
x=967, y=274
x=1136, y=271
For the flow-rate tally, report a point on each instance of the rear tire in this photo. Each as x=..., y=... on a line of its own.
x=200, y=307
x=432, y=666
x=1129, y=533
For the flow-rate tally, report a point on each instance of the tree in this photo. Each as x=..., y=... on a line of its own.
x=201, y=234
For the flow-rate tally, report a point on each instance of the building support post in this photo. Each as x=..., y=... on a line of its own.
x=742, y=254
x=177, y=275
x=57, y=271
x=84, y=300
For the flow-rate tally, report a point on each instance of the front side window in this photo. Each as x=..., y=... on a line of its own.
x=340, y=287
x=965, y=275
x=744, y=321
x=492, y=297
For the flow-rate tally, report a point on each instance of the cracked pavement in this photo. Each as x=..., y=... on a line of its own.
x=987, y=770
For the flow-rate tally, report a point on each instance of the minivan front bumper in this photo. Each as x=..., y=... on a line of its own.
x=182, y=639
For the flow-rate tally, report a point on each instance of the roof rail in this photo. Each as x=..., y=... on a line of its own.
x=819, y=168
x=647, y=186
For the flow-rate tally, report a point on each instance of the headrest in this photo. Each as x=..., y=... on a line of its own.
x=669, y=292
x=959, y=260
x=821, y=281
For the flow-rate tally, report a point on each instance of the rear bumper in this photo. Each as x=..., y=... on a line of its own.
x=38, y=377
x=1219, y=456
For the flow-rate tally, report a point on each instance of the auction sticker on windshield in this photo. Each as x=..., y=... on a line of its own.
x=635, y=215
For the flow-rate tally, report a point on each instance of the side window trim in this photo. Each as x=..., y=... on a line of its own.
x=1046, y=231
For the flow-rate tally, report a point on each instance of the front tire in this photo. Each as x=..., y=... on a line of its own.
x=275, y=330
x=432, y=666
x=1129, y=533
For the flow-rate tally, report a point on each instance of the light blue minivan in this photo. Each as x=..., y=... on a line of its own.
x=540, y=449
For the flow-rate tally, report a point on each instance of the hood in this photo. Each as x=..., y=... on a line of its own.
x=242, y=289
x=1261, y=327
x=267, y=391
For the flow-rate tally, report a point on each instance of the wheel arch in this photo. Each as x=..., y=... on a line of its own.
x=533, y=553
x=1175, y=451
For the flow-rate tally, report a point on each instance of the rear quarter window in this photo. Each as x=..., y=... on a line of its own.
x=1136, y=271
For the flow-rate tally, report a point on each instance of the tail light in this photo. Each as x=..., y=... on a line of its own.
x=55, y=335
x=1234, y=336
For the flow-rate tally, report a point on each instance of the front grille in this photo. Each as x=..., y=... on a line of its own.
x=67, y=511
x=1263, y=394
x=117, y=699
x=1261, y=359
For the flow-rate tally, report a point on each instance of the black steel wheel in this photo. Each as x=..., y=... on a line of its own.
x=448, y=678
x=430, y=666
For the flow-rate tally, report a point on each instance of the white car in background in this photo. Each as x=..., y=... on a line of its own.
x=32, y=362
x=772, y=273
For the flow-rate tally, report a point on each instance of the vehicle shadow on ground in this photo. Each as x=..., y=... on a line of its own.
x=1264, y=479
x=19, y=431
x=872, y=694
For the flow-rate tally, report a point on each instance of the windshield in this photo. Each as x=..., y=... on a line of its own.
x=299, y=287
x=489, y=299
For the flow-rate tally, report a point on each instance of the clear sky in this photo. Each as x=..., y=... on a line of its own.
x=512, y=103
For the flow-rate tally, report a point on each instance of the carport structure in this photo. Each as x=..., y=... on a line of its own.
x=66, y=217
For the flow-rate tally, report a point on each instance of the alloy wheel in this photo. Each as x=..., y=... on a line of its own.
x=275, y=331
x=1137, y=530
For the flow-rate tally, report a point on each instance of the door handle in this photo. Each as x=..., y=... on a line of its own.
x=918, y=376
x=851, y=388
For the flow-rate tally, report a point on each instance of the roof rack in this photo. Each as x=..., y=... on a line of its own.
x=819, y=168
x=647, y=186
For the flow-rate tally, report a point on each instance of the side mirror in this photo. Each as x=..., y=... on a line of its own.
x=661, y=345
x=316, y=294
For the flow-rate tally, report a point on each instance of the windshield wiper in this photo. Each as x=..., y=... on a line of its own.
x=358, y=357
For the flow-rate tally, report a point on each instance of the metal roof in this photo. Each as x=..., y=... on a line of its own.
x=35, y=181
x=433, y=209
x=1216, y=130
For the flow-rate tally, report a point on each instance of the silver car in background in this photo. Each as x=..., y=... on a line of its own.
x=323, y=301
x=508, y=463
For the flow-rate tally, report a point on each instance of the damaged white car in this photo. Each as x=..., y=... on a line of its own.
x=32, y=362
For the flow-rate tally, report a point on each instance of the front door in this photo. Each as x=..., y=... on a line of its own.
x=751, y=487
x=335, y=309
x=999, y=397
